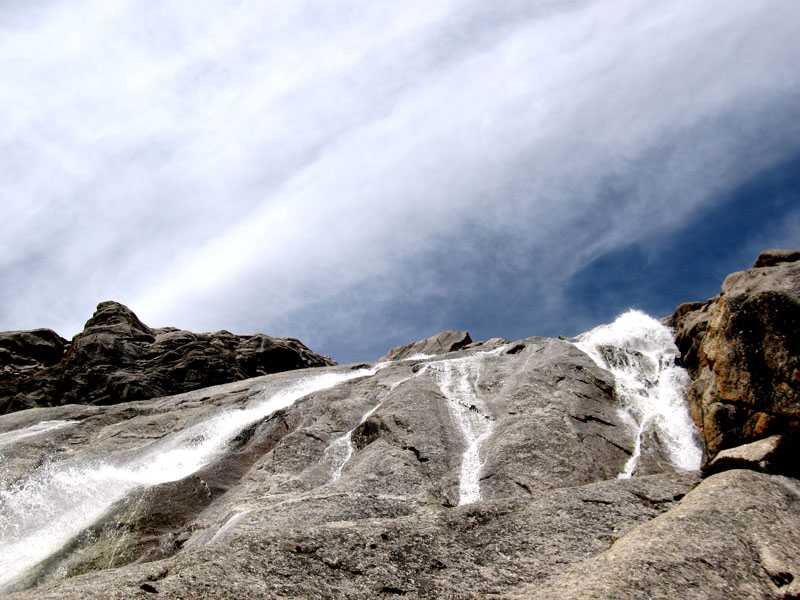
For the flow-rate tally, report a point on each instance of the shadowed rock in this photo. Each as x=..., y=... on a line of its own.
x=25, y=352
x=118, y=358
x=770, y=258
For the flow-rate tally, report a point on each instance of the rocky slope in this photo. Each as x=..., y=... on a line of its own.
x=475, y=471
x=117, y=358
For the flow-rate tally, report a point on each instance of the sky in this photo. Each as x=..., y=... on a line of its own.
x=364, y=174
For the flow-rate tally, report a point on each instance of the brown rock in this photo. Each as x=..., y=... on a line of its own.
x=743, y=350
x=770, y=258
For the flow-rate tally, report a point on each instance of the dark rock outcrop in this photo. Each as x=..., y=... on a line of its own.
x=117, y=358
x=26, y=352
x=742, y=349
x=441, y=343
x=770, y=258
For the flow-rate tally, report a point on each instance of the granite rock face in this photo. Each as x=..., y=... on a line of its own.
x=743, y=351
x=743, y=527
x=118, y=358
x=774, y=454
x=488, y=471
x=285, y=511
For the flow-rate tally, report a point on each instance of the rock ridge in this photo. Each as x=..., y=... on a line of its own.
x=117, y=358
x=441, y=343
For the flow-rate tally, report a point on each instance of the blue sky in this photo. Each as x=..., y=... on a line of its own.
x=361, y=175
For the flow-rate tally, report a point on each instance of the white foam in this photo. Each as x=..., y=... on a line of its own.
x=651, y=389
x=12, y=437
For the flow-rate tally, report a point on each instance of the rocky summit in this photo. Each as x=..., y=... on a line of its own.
x=635, y=461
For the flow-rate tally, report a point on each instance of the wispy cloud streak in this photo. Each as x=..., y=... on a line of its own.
x=241, y=165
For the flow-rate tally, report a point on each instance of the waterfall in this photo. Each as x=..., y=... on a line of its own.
x=40, y=515
x=458, y=380
x=650, y=388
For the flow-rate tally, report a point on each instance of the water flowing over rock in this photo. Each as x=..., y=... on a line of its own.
x=117, y=358
x=650, y=390
x=540, y=468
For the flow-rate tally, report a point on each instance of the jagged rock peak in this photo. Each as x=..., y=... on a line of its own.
x=441, y=343
x=110, y=313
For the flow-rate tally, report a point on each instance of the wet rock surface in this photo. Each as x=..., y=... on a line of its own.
x=268, y=519
x=117, y=358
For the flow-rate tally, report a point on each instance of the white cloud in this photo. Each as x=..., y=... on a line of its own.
x=236, y=165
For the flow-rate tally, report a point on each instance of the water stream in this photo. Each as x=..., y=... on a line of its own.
x=10, y=438
x=651, y=389
x=43, y=513
x=458, y=380
x=341, y=450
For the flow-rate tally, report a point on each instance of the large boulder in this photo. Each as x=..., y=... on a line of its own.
x=743, y=351
x=742, y=527
x=118, y=358
x=773, y=454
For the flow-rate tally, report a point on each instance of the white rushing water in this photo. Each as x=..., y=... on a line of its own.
x=651, y=389
x=10, y=438
x=458, y=380
x=341, y=450
x=43, y=513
